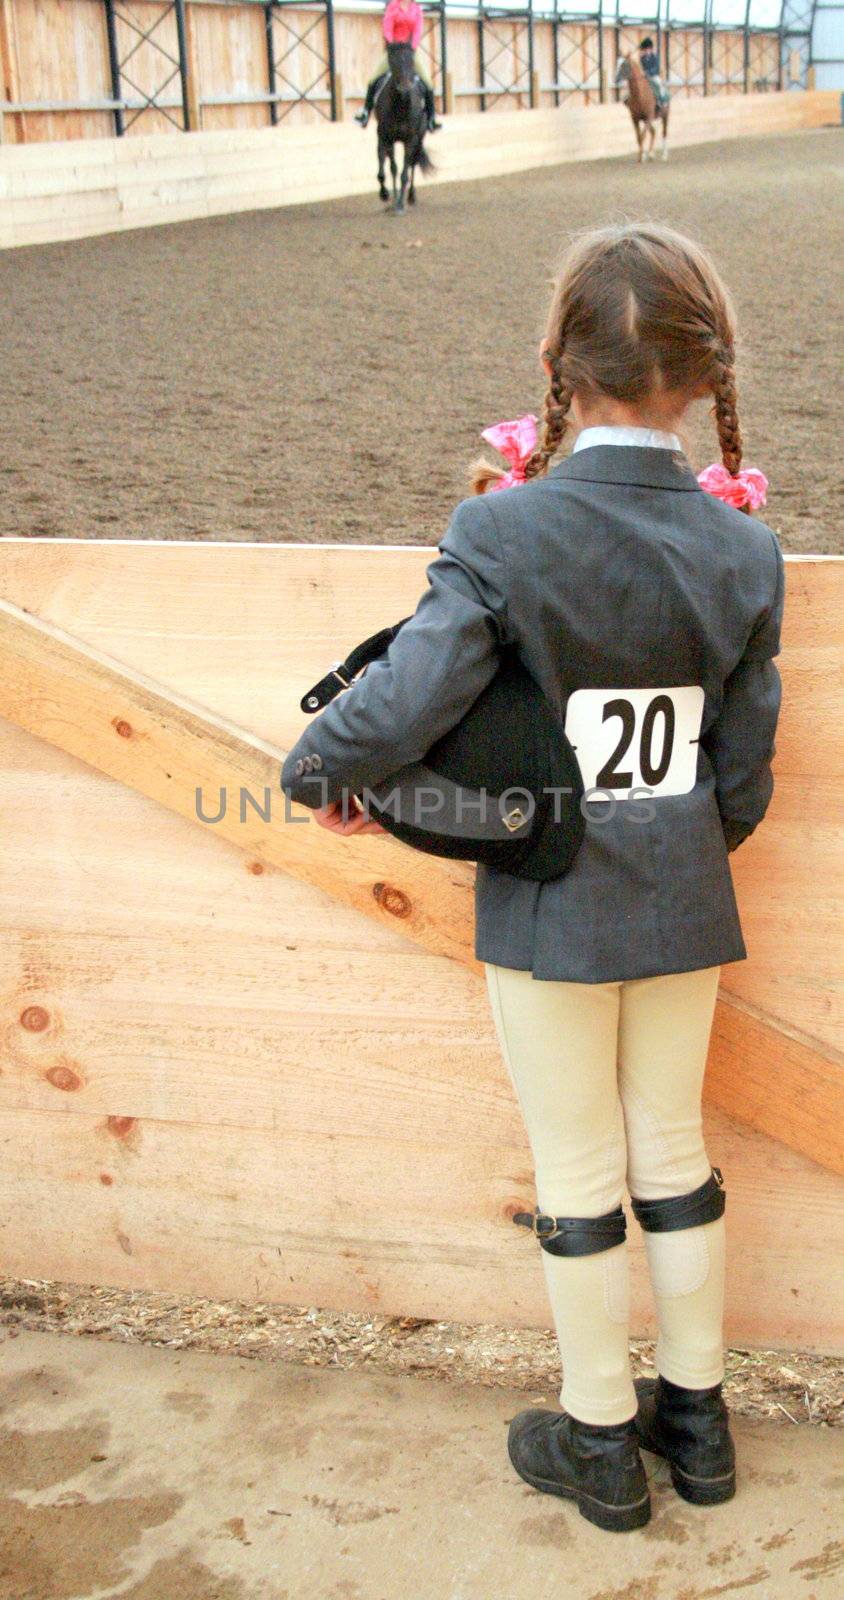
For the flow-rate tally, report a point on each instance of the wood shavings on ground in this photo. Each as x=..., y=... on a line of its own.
x=788, y=1387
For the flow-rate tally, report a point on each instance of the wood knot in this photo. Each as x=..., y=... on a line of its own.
x=122, y=727
x=35, y=1018
x=120, y=1127
x=107, y=1179
x=64, y=1077
x=255, y=867
x=393, y=900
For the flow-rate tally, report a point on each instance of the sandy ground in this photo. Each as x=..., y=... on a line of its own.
x=161, y=1475
x=323, y=373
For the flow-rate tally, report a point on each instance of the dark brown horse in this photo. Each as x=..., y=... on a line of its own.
x=643, y=106
x=400, y=113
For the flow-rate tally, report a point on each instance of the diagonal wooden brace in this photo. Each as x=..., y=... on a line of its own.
x=147, y=736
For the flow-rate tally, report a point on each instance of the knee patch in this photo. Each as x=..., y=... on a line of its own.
x=704, y=1204
x=576, y=1236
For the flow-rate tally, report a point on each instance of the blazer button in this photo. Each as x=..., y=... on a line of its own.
x=308, y=764
x=316, y=763
x=299, y=768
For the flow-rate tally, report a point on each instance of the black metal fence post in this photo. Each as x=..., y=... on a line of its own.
x=443, y=53
x=114, y=64
x=271, y=78
x=181, y=34
x=530, y=53
x=332, y=59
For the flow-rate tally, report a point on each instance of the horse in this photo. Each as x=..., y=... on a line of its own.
x=643, y=107
x=401, y=117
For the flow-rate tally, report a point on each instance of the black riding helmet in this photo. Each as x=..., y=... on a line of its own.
x=503, y=787
x=646, y=44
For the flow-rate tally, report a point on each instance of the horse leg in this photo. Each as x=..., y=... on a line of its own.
x=403, y=181
x=652, y=132
x=640, y=140
x=382, y=156
x=394, y=175
x=665, y=134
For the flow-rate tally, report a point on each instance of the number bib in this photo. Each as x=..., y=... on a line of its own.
x=636, y=738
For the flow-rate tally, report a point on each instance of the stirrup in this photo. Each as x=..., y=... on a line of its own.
x=575, y=1236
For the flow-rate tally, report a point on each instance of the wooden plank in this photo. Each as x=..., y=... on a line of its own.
x=306, y=604
x=415, y=1228
x=82, y=691
x=776, y=1082
x=330, y=159
x=192, y=73
x=12, y=127
x=131, y=728
x=119, y=931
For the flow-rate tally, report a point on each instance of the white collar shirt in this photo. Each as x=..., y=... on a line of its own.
x=651, y=438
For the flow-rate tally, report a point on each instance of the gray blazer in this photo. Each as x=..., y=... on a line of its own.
x=616, y=572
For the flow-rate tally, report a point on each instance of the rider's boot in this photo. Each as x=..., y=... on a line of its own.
x=430, y=108
x=363, y=116
x=597, y=1466
x=691, y=1429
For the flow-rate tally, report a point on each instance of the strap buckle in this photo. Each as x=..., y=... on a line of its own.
x=543, y=1226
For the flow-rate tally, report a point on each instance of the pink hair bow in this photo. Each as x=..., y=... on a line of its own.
x=516, y=442
x=748, y=488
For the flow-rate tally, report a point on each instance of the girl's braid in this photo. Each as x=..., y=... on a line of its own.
x=555, y=419
x=726, y=416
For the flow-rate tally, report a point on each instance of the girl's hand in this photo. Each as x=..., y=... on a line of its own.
x=331, y=817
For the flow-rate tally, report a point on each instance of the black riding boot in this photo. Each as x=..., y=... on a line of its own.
x=363, y=116
x=690, y=1428
x=598, y=1466
x=430, y=109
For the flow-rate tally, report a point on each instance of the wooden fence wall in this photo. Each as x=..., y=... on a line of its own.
x=90, y=186
x=254, y=1060
x=54, y=56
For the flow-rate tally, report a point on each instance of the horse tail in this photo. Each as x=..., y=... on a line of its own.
x=425, y=161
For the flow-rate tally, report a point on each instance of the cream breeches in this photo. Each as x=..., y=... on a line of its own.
x=608, y=1077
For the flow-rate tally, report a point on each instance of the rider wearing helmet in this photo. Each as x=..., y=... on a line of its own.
x=649, y=62
x=402, y=24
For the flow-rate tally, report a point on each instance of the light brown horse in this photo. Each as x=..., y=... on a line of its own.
x=643, y=107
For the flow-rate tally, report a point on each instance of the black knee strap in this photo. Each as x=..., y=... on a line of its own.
x=705, y=1204
x=575, y=1236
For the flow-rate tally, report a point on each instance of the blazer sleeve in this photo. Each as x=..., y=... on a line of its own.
x=434, y=670
x=740, y=742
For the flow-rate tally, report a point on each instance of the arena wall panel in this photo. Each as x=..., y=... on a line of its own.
x=71, y=189
x=232, y=1071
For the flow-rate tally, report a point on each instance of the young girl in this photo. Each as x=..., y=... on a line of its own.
x=649, y=611
x=649, y=63
x=402, y=23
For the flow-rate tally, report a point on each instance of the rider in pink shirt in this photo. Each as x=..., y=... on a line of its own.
x=402, y=23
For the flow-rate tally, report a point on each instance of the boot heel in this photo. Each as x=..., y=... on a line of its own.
x=615, y=1519
x=703, y=1491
